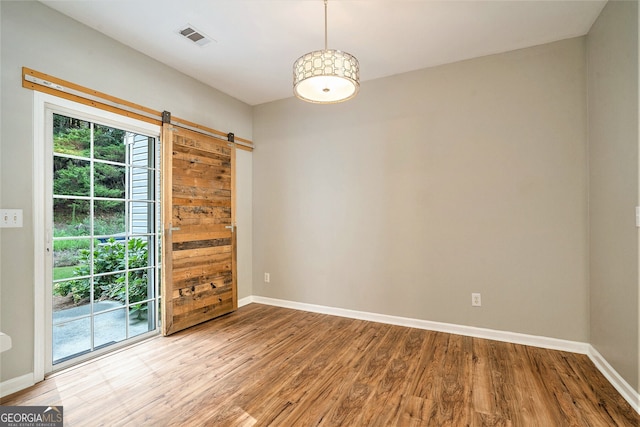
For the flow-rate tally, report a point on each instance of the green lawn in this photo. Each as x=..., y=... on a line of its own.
x=63, y=272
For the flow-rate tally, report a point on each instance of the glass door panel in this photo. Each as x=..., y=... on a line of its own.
x=105, y=237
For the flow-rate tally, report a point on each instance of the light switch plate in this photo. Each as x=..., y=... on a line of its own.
x=10, y=218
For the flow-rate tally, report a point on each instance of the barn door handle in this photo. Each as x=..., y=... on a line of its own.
x=230, y=227
x=175, y=228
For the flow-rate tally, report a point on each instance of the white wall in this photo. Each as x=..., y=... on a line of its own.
x=37, y=37
x=613, y=194
x=431, y=185
x=244, y=162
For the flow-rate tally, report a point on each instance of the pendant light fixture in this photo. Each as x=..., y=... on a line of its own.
x=326, y=76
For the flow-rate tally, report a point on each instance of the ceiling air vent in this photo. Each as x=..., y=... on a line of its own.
x=196, y=36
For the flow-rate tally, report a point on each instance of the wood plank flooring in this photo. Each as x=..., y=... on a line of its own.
x=270, y=366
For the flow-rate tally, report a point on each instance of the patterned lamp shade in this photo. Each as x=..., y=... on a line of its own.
x=326, y=76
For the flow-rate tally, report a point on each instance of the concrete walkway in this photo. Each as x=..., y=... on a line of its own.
x=73, y=339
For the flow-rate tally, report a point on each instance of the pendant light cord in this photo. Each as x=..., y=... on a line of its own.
x=325, y=25
x=326, y=76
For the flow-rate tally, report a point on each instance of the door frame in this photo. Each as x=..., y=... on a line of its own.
x=42, y=147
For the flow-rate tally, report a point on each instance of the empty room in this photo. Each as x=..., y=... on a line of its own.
x=319, y=212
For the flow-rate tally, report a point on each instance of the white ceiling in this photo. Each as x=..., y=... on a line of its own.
x=257, y=41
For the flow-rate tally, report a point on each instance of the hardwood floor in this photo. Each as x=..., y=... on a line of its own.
x=270, y=366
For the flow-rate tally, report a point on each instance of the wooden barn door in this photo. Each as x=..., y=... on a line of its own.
x=199, y=280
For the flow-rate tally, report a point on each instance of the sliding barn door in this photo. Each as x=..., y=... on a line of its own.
x=199, y=237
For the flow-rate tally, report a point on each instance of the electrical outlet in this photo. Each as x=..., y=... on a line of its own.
x=476, y=301
x=10, y=218
x=267, y=277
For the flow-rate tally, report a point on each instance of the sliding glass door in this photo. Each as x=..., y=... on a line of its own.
x=104, y=228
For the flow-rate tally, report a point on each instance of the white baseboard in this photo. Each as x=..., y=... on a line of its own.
x=245, y=301
x=627, y=392
x=471, y=331
x=16, y=384
x=623, y=387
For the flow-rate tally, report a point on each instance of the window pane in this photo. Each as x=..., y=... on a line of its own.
x=141, y=147
x=106, y=293
x=138, y=253
x=141, y=184
x=71, y=258
x=70, y=217
x=110, y=287
x=71, y=339
x=63, y=271
x=109, y=218
x=109, y=181
x=80, y=246
x=141, y=318
x=71, y=136
x=109, y=144
x=142, y=217
x=109, y=328
x=71, y=177
x=140, y=287
x=77, y=293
